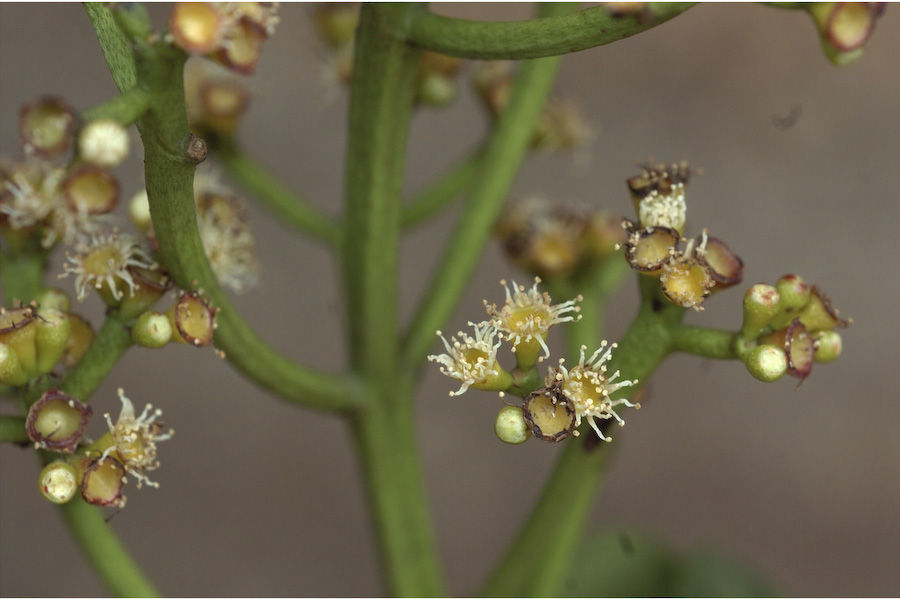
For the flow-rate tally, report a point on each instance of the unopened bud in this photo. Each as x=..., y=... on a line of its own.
x=54, y=298
x=46, y=126
x=52, y=334
x=435, y=89
x=828, y=346
x=139, y=212
x=11, y=371
x=767, y=362
x=510, y=425
x=337, y=22
x=103, y=143
x=761, y=302
x=57, y=421
x=91, y=190
x=192, y=320
x=58, y=482
x=795, y=295
x=17, y=332
x=548, y=415
x=152, y=330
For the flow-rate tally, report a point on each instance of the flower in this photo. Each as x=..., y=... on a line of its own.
x=527, y=315
x=132, y=440
x=473, y=360
x=664, y=209
x=103, y=263
x=29, y=191
x=587, y=388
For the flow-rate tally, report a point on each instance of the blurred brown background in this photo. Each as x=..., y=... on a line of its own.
x=259, y=498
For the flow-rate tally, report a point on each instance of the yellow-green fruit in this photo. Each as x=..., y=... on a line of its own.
x=767, y=363
x=510, y=425
x=11, y=372
x=828, y=346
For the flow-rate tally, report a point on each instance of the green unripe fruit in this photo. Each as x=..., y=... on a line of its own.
x=510, y=425
x=795, y=294
x=152, y=330
x=828, y=346
x=761, y=303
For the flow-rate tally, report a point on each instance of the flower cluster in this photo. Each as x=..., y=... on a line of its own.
x=786, y=328
x=57, y=422
x=688, y=269
x=231, y=33
x=569, y=396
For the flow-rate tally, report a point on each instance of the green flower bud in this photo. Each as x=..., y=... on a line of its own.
x=58, y=482
x=337, y=22
x=152, y=330
x=548, y=415
x=828, y=346
x=435, y=89
x=794, y=294
x=52, y=334
x=510, y=425
x=139, y=212
x=17, y=331
x=57, y=421
x=11, y=372
x=54, y=298
x=103, y=143
x=149, y=285
x=761, y=303
x=767, y=362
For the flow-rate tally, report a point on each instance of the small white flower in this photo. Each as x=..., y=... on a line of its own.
x=528, y=315
x=664, y=210
x=104, y=261
x=587, y=388
x=472, y=360
x=134, y=439
x=104, y=143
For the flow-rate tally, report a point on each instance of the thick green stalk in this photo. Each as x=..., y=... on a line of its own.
x=288, y=206
x=540, y=557
x=169, y=177
x=534, y=38
x=710, y=343
x=105, y=551
x=385, y=70
x=503, y=156
x=442, y=192
x=125, y=108
x=12, y=429
x=22, y=274
x=107, y=348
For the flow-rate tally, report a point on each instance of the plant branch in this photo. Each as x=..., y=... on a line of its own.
x=288, y=206
x=12, y=429
x=22, y=274
x=126, y=108
x=114, y=44
x=533, y=38
x=540, y=557
x=710, y=343
x=442, y=192
x=384, y=75
x=105, y=551
x=503, y=156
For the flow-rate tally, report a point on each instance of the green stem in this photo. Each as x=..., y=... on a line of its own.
x=442, y=192
x=169, y=178
x=710, y=343
x=534, y=38
x=115, y=45
x=384, y=75
x=105, y=551
x=22, y=274
x=126, y=108
x=503, y=156
x=288, y=206
x=106, y=349
x=540, y=557
x=12, y=429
